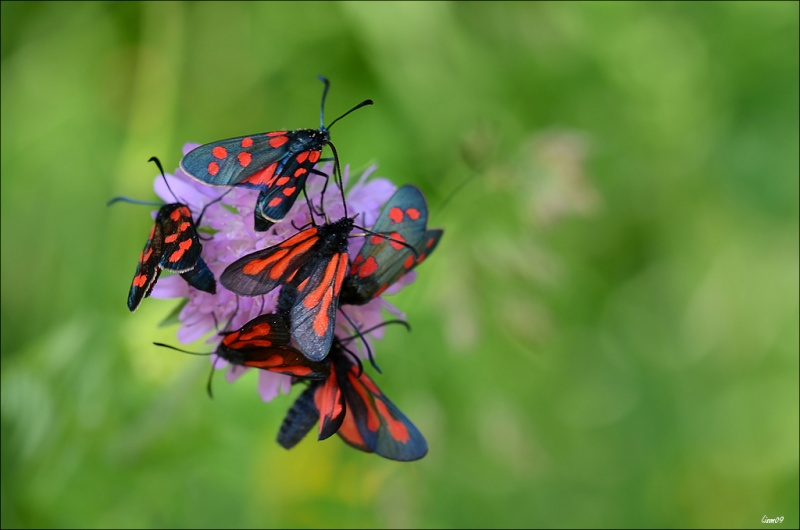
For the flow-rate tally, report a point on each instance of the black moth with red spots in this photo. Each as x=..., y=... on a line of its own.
x=351, y=405
x=382, y=260
x=275, y=163
x=264, y=343
x=173, y=245
x=314, y=263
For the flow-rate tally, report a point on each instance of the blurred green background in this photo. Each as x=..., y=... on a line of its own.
x=606, y=337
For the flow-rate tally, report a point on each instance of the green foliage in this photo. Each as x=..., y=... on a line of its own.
x=607, y=335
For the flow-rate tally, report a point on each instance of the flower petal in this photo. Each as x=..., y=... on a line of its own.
x=189, y=146
x=271, y=384
x=171, y=286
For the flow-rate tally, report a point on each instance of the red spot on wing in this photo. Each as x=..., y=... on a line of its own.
x=369, y=266
x=413, y=213
x=175, y=215
x=349, y=431
x=313, y=156
x=274, y=202
x=321, y=321
x=373, y=422
x=341, y=270
x=421, y=258
x=395, y=214
x=303, y=284
x=376, y=239
x=327, y=399
x=409, y=262
x=146, y=255
x=184, y=226
x=339, y=266
x=430, y=242
x=258, y=343
x=282, y=180
x=271, y=361
x=380, y=290
x=278, y=141
x=244, y=158
x=276, y=133
x=356, y=263
x=185, y=211
x=262, y=177
x=183, y=246
x=140, y=280
x=298, y=237
x=300, y=171
x=259, y=330
x=219, y=152
x=171, y=238
x=397, y=429
x=298, y=370
x=289, y=191
x=252, y=343
x=230, y=338
x=315, y=297
x=213, y=169
x=302, y=157
x=280, y=267
x=247, y=142
x=257, y=265
x=372, y=387
x=395, y=241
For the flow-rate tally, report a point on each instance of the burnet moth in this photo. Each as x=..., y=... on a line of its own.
x=173, y=245
x=276, y=163
x=351, y=405
x=264, y=343
x=383, y=260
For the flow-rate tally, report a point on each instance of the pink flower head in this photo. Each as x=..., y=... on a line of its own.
x=228, y=225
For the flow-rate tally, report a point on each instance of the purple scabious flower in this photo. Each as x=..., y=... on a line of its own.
x=229, y=226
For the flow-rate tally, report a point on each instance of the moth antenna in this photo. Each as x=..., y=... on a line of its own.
x=203, y=211
x=182, y=351
x=453, y=193
x=213, y=366
x=322, y=109
x=364, y=340
x=322, y=105
x=378, y=326
x=211, y=377
x=355, y=358
x=161, y=168
x=133, y=201
x=337, y=168
x=362, y=104
x=322, y=127
x=311, y=210
x=325, y=186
